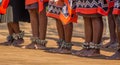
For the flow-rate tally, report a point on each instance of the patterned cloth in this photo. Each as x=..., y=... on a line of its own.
x=54, y=10
x=92, y=7
x=116, y=9
x=66, y=13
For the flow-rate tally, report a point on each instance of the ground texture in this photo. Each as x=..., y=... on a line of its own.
x=17, y=56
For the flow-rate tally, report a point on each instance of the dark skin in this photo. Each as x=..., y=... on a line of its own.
x=117, y=53
x=10, y=29
x=34, y=27
x=16, y=29
x=42, y=27
x=112, y=28
x=39, y=27
x=93, y=33
x=64, y=33
x=60, y=29
x=13, y=27
x=88, y=37
x=68, y=28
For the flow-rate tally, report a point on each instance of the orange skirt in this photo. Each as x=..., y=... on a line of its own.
x=54, y=10
x=28, y=2
x=66, y=13
x=3, y=6
x=40, y=3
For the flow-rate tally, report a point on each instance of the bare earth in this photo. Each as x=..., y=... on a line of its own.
x=17, y=56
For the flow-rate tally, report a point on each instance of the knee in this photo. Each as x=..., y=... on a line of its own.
x=43, y=12
x=118, y=21
x=97, y=20
x=32, y=11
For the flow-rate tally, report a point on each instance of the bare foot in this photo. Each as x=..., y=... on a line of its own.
x=54, y=50
x=111, y=44
x=59, y=50
x=30, y=46
x=41, y=47
x=78, y=53
x=115, y=56
x=85, y=52
x=17, y=43
x=92, y=53
x=8, y=43
x=64, y=51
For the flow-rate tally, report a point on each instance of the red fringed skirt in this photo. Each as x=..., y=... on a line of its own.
x=32, y=3
x=91, y=7
x=116, y=9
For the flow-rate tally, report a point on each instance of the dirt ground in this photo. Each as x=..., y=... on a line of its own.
x=17, y=56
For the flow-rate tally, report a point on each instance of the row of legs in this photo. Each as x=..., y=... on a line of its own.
x=93, y=33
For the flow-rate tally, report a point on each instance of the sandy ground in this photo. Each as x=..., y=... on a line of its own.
x=17, y=56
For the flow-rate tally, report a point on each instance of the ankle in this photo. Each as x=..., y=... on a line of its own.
x=10, y=38
x=67, y=46
x=38, y=41
x=59, y=42
x=19, y=35
x=91, y=45
x=33, y=40
x=41, y=42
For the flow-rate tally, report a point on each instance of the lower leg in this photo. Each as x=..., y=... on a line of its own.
x=97, y=29
x=97, y=36
x=35, y=28
x=10, y=37
x=16, y=28
x=10, y=29
x=42, y=29
x=117, y=53
x=60, y=29
x=67, y=45
x=61, y=35
x=34, y=22
x=88, y=37
x=112, y=28
x=18, y=35
x=42, y=24
x=88, y=29
x=68, y=29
